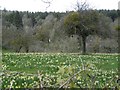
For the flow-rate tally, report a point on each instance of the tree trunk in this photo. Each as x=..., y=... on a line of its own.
x=27, y=49
x=19, y=49
x=84, y=44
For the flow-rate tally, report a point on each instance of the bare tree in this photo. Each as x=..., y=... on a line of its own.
x=80, y=6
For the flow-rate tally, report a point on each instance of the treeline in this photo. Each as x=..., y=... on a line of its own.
x=15, y=17
x=45, y=32
x=113, y=14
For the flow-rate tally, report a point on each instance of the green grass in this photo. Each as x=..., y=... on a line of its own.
x=49, y=63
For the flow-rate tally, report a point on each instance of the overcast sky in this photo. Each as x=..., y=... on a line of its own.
x=56, y=5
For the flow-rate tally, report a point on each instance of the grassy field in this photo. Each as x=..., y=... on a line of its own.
x=23, y=67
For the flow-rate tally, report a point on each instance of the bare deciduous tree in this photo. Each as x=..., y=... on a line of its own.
x=79, y=6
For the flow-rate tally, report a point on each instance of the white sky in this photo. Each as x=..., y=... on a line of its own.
x=57, y=5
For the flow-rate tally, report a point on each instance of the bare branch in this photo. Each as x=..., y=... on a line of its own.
x=81, y=6
x=11, y=83
x=69, y=79
x=47, y=2
x=40, y=81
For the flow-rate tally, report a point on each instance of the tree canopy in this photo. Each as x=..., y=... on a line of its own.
x=82, y=24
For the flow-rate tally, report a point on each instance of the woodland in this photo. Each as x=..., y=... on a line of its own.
x=61, y=31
